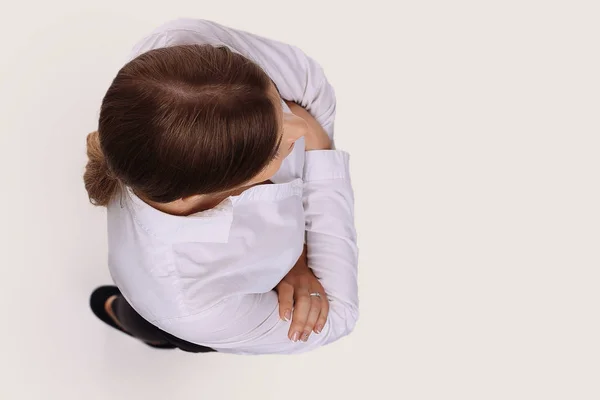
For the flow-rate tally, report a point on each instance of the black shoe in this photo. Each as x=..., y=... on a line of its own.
x=98, y=300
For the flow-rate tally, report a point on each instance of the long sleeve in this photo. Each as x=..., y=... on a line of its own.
x=298, y=77
x=330, y=233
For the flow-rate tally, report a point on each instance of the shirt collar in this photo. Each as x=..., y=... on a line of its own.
x=211, y=226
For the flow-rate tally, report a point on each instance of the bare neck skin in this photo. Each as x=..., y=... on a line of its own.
x=197, y=203
x=183, y=207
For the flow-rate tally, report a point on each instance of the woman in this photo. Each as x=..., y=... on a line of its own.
x=230, y=217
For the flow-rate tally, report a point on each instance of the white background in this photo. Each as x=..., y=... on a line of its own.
x=474, y=133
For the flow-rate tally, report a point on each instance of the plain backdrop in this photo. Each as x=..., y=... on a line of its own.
x=474, y=133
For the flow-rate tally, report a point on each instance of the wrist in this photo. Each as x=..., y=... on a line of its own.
x=316, y=145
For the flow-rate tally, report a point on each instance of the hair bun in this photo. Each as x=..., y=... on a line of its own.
x=100, y=184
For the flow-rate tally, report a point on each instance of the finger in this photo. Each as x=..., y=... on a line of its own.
x=286, y=301
x=313, y=316
x=302, y=304
x=324, y=314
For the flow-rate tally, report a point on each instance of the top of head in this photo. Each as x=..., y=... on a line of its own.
x=188, y=120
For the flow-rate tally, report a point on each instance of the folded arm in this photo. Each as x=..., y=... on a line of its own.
x=251, y=324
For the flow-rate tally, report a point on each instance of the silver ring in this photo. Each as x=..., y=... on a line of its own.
x=316, y=294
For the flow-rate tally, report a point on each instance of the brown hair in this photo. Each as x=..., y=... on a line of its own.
x=181, y=121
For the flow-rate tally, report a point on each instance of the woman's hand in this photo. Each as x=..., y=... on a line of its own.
x=309, y=312
x=316, y=138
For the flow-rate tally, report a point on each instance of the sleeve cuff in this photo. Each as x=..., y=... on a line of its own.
x=326, y=164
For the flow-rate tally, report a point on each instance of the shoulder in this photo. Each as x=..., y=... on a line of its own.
x=178, y=32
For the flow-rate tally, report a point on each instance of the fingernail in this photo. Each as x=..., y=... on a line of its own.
x=295, y=337
x=288, y=315
x=305, y=336
x=319, y=328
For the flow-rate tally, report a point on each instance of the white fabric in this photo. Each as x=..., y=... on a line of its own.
x=208, y=278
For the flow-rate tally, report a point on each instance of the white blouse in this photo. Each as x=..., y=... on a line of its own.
x=208, y=278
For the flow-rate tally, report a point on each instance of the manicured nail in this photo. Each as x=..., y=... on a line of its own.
x=295, y=337
x=288, y=315
x=319, y=328
x=305, y=336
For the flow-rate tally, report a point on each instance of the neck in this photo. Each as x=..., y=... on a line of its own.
x=190, y=205
x=197, y=203
x=193, y=204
